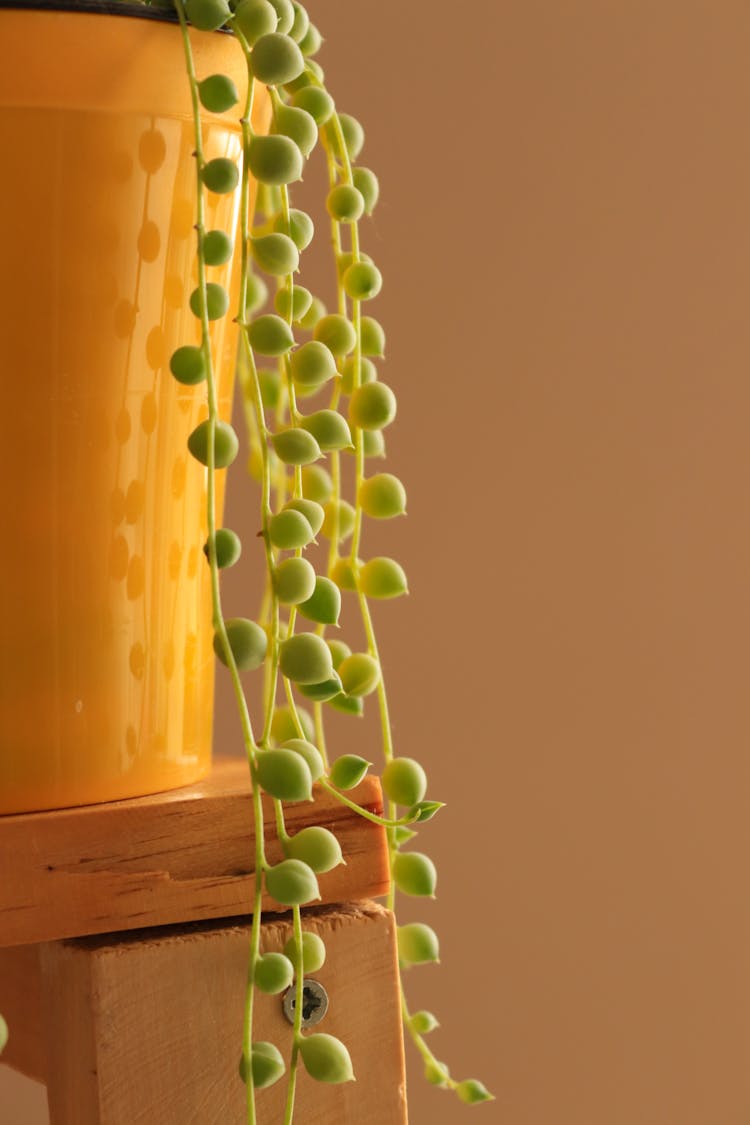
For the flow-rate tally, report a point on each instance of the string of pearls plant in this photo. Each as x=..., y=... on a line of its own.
x=301, y=499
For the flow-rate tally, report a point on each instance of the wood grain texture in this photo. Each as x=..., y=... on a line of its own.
x=21, y=1003
x=164, y=1011
x=174, y=857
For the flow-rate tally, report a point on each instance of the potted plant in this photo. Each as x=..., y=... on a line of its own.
x=315, y=404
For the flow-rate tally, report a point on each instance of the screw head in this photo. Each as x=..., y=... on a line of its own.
x=314, y=1002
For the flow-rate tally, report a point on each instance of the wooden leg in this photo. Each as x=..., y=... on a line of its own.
x=145, y=1028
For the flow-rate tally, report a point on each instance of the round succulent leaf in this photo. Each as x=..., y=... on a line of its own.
x=310, y=44
x=315, y=101
x=340, y=518
x=367, y=184
x=289, y=530
x=270, y=387
x=348, y=704
x=424, y=1022
x=284, y=774
x=292, y=883
x=326, y=1058
x=360, y=673
x=324, y=604
x=372, y=337
x=313, y=364
x=309, y=751
x=276, y=59
x=207, y=15
x=300, y=227
x=417, y=944
x=217, y=301
x=220, y=175
x=294, y=580
x=301, y=22
x=372, y=406
x=275, y=159
x=415, y=874
x=382, y=577
x=345, y=203
x=317, y=847
x=437, y=1073
x=329, y=428
x=316, y=484
x=217, y=247
x=270, y=335
x=471, y=1091
x=298, y=124
x=306, y=659
x=354, y=134
x=284, y=728
x=292, y=304
x=248, y=643
x=275, y=254
x=313, y=952
x=256, y=294
x=362, y=281
x=348, y=770
x=218, y=93
x=310, y=509
x=339, y=650
x=337, y=333
x=382, y=496
x=188, y=365
x=295, y=446
x=266, y=1062
x=322, y=692
x=274, y=973
x=344, y=575
x=425, y=810
x=404, y=781
x=367, y=373
x=226, y=444
x=227, y=547
x=255, y=18
x=285, y=15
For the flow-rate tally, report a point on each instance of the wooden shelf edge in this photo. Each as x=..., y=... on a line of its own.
x=173, y=857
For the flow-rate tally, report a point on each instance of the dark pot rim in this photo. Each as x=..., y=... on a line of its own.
x=100, y=7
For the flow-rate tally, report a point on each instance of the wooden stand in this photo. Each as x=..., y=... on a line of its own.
x=144, y=1027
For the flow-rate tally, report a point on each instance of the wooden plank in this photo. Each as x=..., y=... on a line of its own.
x=73, y=1035
x=21, y=1003
x=165, y=1012
x=174, y=857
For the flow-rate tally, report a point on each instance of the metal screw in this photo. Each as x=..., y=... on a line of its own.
x=314, y=1002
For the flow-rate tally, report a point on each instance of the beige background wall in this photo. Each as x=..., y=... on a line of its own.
x=565, y=237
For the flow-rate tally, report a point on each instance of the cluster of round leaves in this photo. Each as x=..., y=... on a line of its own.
x=281, y=40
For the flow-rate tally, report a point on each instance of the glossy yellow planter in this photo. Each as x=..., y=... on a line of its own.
x=106, y=665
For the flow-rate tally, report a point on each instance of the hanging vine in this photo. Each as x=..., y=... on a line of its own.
x=297, y=352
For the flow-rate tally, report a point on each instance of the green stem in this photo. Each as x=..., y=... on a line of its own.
x=260, y=870
x=421, y=1045
x=386, y=822
x=218, y=618
x=299, y=993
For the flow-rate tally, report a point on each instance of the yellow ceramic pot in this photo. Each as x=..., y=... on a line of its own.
x=106, y=664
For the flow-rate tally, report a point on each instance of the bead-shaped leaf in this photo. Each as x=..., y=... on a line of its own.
x=404, y=781
x=313, y=951
x=348, y=770
x=292, y=883
x=417, y=944
x=273, y=973
x=284, y=774
x=326, y=1058
x=317, y=847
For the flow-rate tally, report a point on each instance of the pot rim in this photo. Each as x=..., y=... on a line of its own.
x=98, y=7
